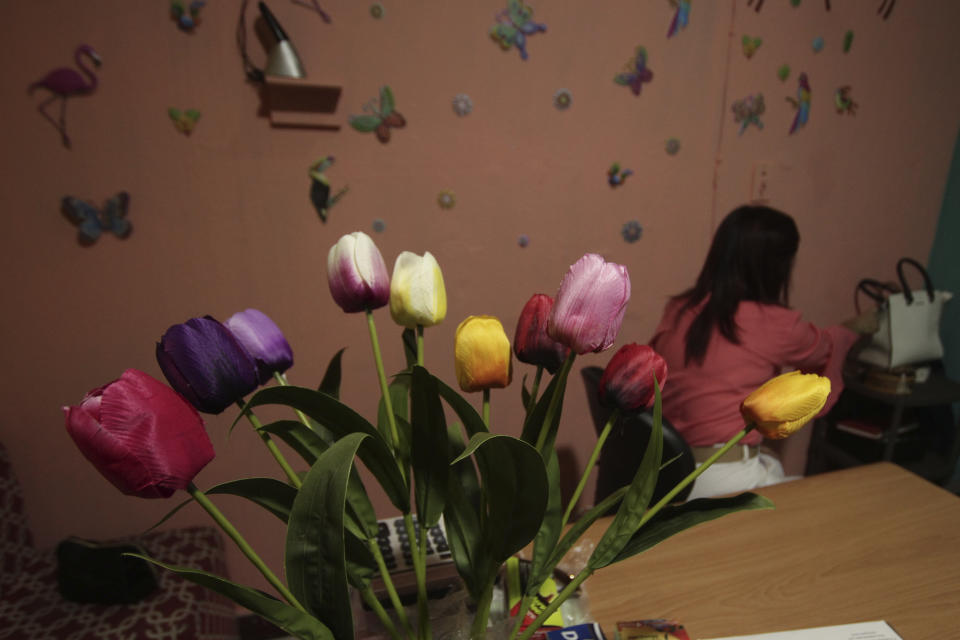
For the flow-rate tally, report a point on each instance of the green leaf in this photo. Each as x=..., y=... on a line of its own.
x=315, y=557
x=536, y=418
x=549, y=532
x=169, y=515
x=341, y=420
x=472, y=421
x=524, y=394
x=461, y=516
x=365, y=123
x=409, y=338
x=674, y=519
x=399, y=393
x=637, y=498
x=289, y=619
x=431, y=455
x=299, y=437
x=271, y=494
x=515, y=491
x=386, y=101
x=331, y=378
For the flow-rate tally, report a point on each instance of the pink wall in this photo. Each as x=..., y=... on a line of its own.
x=223, y=221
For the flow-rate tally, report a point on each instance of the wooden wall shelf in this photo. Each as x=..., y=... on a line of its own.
x=298, y=102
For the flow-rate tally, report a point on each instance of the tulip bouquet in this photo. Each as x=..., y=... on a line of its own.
x=497, y=494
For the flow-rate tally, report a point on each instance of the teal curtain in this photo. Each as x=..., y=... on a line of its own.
x=944, y=268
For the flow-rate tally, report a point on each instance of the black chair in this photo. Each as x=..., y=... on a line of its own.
x=621, y=454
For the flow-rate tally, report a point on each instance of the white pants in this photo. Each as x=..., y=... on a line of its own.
x=734, y=477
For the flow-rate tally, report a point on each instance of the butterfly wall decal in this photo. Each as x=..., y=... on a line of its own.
x=184, y=121
x=379, y=118
x=513, y=26
x=186, y=16
x=91, y=222
x=635, y=72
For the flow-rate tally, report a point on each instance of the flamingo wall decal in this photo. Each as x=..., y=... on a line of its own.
x=65, y=82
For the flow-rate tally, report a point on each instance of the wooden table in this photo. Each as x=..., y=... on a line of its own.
x=868, y=543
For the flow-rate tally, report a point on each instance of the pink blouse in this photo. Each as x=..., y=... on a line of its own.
x=703, y=401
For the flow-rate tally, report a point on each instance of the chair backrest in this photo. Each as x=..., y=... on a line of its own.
x=16, y=539
x=623, y=450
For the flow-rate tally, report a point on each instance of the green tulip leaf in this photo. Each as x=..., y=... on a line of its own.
x=365, y=123
x=431, y=455
x=331, y=378
x=341, y=420
x=409, y=338
x=472, y=421
x=169, y=515
x=461, y=516
x=299, y=437
x=271, y=494
x=536, y=418
x=515, y=492
x=550, y=528
x=387, y=102
x=315, y=557
x=399, y=392
x=361, y=565
x=674, y=519
x=524, y=394
x=637, y=499
x=287, y=618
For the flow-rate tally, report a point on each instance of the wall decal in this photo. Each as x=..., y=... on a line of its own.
x=757, y=7
x=523, y=240
x=462, y=104
x=90, y=222
x=562, y=99
x=65, y=82
x=380, y=118
x=783, y=72
x=446, y=199
x=377, y=10
x=513, y=26
x=615, y=176
x=635, y=72
x=750, y=45
x=843, y=102
x=320, y=187
x=847, y=41
x=379, y=225
x=672, y=146
x=631, y=231
x=817, y=44
x=801, y=103
x=681, y=17
x=886, y=7
x=313, y=4
x=748, y=111
x=186, y=16
x=185, y=120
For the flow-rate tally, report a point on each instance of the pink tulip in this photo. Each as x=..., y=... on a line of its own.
x=141, y=435
x=357, y=274
x=627, y=382
x=588, y=309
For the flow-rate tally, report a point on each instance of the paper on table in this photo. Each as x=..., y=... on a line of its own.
x=876, y=630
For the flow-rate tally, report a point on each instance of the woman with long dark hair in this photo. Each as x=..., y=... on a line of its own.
x=732, y=331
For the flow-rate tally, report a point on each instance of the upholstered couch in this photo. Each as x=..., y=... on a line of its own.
x=31, y=607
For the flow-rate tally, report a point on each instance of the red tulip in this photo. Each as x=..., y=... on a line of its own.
x=588, y=309
x=141, y=435
x=627, y=382
x=531, y=344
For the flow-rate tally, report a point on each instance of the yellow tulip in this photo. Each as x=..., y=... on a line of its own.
x=482, y=354
x=784, y=404
x=417, y=294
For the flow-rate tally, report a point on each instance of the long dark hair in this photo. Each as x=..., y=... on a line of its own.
x=751, y=258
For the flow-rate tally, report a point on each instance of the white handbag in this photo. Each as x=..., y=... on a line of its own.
x=908, y=321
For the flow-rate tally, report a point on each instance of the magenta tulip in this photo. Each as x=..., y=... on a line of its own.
x=357, y=274
x=588, y=309
x=531, y=344
x=627, y=382
x=141, y=435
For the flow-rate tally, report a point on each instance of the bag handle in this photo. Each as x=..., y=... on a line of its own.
x=927, y=282
x=873, y=289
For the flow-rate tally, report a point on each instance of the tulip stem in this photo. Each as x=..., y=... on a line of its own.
x=420, y=344
x=535, y=389
x=282, y=381
x=272, y=447
x=384, y=388
x=555, y=604
x=247, y=550
x=555, y=400
x=590, y=464
x=418, y=553
x=388, y=584
x=486, y=408
x=380, y=612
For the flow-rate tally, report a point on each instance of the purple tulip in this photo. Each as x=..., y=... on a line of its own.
x=143, y=437
x=263, y=340
x=588, y=309
x=531, y=344
x=627, y=382
x=357, y=274
x=206, y=364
